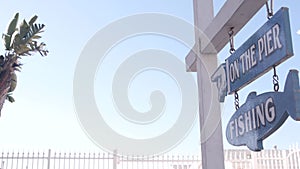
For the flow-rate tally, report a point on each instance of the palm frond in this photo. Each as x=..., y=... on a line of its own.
x=33, y=31
x=25, y=42
x=7, y=41
x=24, y=28
x=32, y=20
x=13, y=25
x=7, y=38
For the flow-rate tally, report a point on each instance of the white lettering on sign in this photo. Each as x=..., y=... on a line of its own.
x=234, y=71
x=269, y=42
x=248, y=59
x=253, y=119
x=265, y=46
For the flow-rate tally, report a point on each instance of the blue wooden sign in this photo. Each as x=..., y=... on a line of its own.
x=219, y=77
x=267, y=47
x=262, y=115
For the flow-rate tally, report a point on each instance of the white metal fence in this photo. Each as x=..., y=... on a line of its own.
x=58, y=160
x=234, y=159
x=266, y=159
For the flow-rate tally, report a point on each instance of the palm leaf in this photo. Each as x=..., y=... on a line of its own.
x=13, y=25
x=10, y=30
x=32, y=20
x=33, y=31
x=6, y=40
x=24, y=28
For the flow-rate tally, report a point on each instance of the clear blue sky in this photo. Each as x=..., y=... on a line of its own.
x=43, y=115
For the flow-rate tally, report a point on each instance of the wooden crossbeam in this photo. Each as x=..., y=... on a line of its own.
x=234, y=13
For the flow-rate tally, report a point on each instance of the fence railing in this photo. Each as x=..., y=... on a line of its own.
x=59, y=160
x=266, y=159
x=234, y=159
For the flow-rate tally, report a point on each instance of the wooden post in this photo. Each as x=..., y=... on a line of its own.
x=212, y=145
x=201, y=60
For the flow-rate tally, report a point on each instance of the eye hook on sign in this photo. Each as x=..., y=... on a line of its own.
x=231, y=40
x=269, y=9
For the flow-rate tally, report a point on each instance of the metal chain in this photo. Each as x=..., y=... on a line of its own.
x=231, y=51
x=269, y=9
x=231, y=40
x=275, y=80
x=236, y=100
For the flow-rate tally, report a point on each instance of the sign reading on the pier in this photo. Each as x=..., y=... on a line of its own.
x=262, y=115
x=267, y=47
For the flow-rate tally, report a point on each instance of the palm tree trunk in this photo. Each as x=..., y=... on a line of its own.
x=5, y=80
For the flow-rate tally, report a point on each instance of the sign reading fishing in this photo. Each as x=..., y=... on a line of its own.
x=263, y=114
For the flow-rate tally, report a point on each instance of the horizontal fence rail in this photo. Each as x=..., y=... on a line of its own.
x=234, y=159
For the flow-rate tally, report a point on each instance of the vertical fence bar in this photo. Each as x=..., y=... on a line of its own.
x=7, y=160
x=147, y=162
x=17, y=160
x=103, y=156
x=297, y=157
x=188, y=163
x=48, y=159
x=79, y=156
x=137, y=161
x=122, y=161
x=162, y=162
x=292, y=159
x=94, y=156
x=69, y=158
x=287, y=160
x=98, y=160
x=83, y=166
x=43, y=159
x=168, y=161
x=64, y=165
x=127, y=161
x=144, y=160
x=74, y=162
x=88, y=160
x=27, y=160
x=38, y=159
x=59, y=159
x=32, y=161
x=22, y=160
x=107, y=160
x=275, y=159
x=115, y=159
x=2, y=160
x=12, y=161
x=153, y=162
x=54, y=160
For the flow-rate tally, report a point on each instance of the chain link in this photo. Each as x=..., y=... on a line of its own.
x=236, y=100
x=275, y=80
x=269, y=9
x=231, y=40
